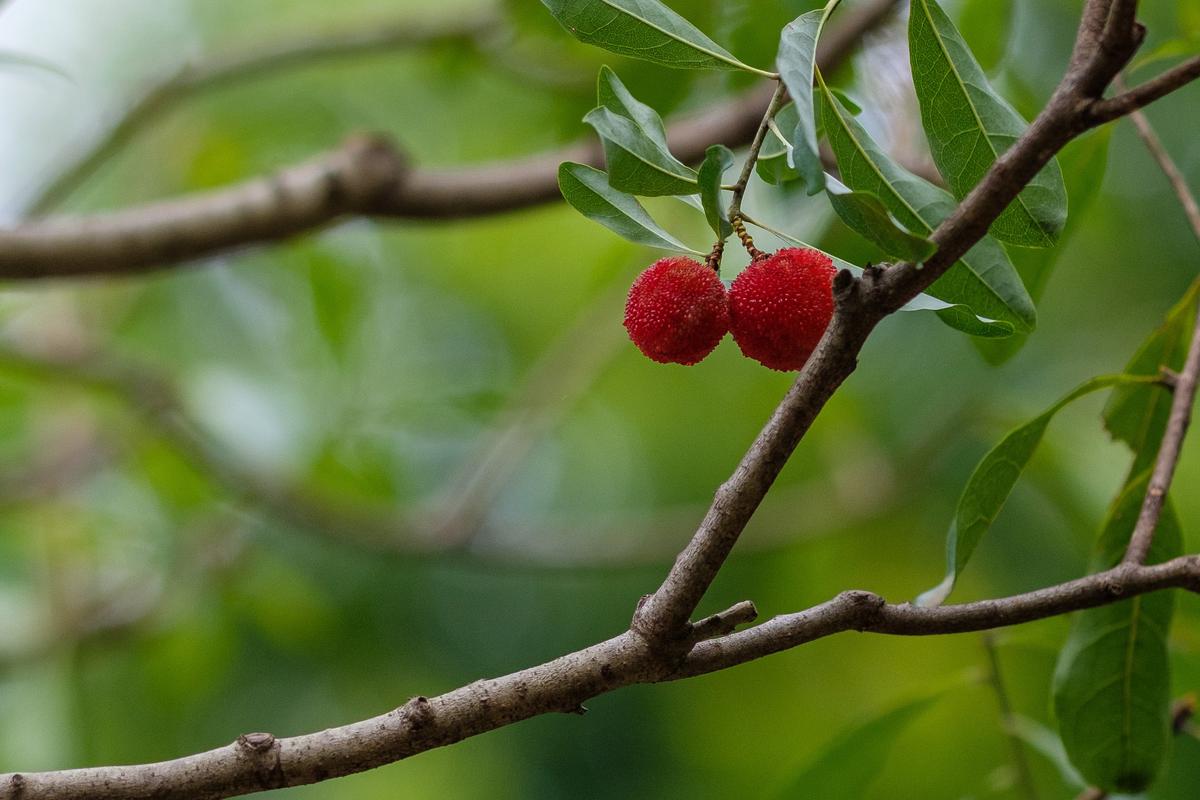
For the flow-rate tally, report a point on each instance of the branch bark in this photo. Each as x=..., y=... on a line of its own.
x=260, y=761
x=214, y=72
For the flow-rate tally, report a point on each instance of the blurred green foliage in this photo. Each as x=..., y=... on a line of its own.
x=367, y=360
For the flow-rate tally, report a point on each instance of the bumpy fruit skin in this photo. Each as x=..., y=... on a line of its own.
x=677, y=311
x=780, y=306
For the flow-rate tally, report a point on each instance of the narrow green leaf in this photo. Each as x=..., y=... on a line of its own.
x=636, y=163
x=644, y=29
x=797, y=62
x=717, y=159
x=1137, y=414
x=586, y=189
x=1112, y=684
x=774, y=161
x=612, y=94
x=865, y=213
x=984, y=279
x=1084, y=163
x=969, y=125
x=851, y=762
x=993, y=480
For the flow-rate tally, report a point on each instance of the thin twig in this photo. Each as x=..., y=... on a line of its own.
x=1145, y=94
x=996, y=681
x=1183, y=383
x=1167, y=164
x=217, y=71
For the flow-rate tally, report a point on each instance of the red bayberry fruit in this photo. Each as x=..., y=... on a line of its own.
x=780, y=306
x=677, y=311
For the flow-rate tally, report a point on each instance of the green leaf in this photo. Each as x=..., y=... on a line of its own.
x=992, y=482
x=1084, y=163
x=797, y=63
x=865, y=213
x=1112, y=683
x=983, y=279
x=637, y=164
x=774, y=164
x=586, y=189
x=612, y=94
x=644, y=29
x=1182, y=775
x=717, y=159
x=1137, y=415
x=850, y=763
x=969, y=125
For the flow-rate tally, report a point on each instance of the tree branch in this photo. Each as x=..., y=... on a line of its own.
x=365, y=176
x=1145, y=94
x=1183, y=384
x=213, y=72
x=260, y=761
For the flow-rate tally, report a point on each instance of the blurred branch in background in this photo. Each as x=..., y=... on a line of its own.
x=459, y=519
x=995, y=679
x=217, y=71
x=365, y=176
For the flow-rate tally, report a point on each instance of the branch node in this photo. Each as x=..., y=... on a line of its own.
x=863, y=606
x=256, y=742
x=263, y=749
x=847, y=288
x=16, y=784
x=724, y=622
x=418, y=712
x=374, y=168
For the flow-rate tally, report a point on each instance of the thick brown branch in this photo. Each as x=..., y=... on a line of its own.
x=1099, y=56
x=366, y=176
x=260, y=761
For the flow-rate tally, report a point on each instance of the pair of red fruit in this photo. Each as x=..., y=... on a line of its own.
x=777, y=309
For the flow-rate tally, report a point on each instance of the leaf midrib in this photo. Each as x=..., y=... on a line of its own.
x=721, y=55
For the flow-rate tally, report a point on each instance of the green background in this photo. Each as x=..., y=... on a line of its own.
x=365, y=362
